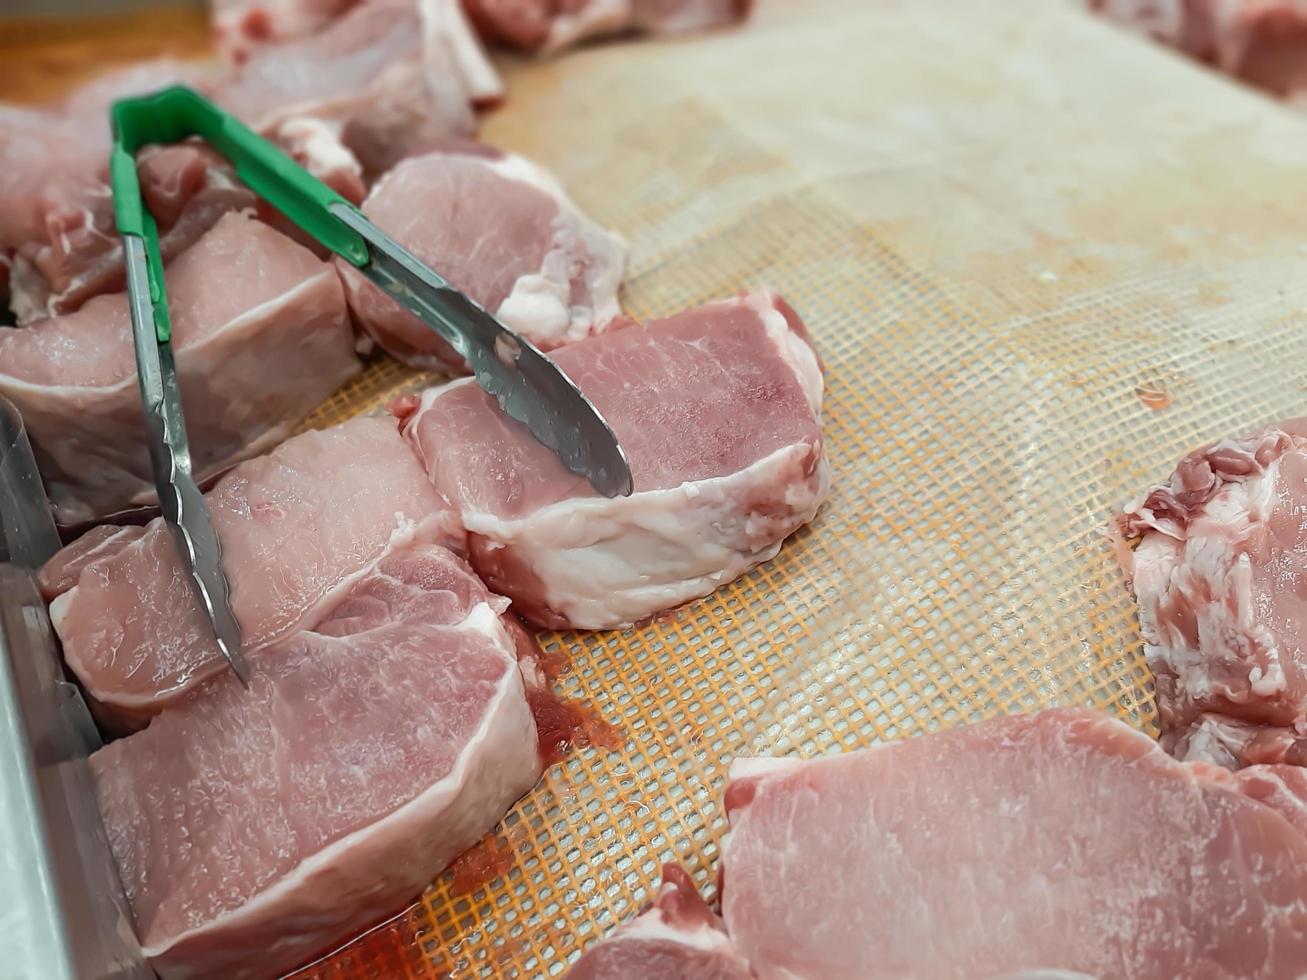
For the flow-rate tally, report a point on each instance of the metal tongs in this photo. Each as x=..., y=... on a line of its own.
x=528, y=386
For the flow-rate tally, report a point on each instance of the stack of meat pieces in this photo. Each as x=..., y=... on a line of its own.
x=341, y=548
x=1061, y=844
x=1261, y=42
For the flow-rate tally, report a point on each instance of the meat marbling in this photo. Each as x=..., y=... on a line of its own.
x=1220, y=573
x=298, y=527
x=1061, y=841
x=256, y=828
x=718, y=410
x=252, y=362
x=530, y=256
x=677, y=938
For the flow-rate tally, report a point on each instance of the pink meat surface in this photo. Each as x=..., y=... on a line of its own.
x=550, y=25
x=1221, y=575
x=677, y=938
x=298, y=527
x=64, y=568
x=1262, y=42
x=251, y=362
x=256, y=828
x=718, y=410
x=240, y=26
x=501, y=230
x=1058, y=841
x=398, y=81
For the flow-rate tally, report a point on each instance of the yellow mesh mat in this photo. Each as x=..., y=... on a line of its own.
x=1040, y=259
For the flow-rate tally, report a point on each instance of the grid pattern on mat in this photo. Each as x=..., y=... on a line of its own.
x=1012, y=251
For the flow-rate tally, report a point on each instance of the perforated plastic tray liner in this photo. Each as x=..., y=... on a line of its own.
x=1041, y=259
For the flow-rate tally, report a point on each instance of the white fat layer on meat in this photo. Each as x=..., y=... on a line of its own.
x=319, y=142
x=539, y=304
x=613, y=561
x=748, y=767
x=450, y=801
x=430, y=530
x=447, y=31
x=793, y=348
x=652, y=926
x=595, y=17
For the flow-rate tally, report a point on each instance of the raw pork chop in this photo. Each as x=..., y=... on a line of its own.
x=718, y=410
x=1262, y=42
x=1221, y=576
x=547, y=25
x=501, y=230
x=256, y=828
x=252, y=362
x=676, y=938
x=387, y=80
x=1059, y=841
x=298, y=526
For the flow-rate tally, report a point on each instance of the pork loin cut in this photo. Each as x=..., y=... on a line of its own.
x=546, y=26
x=677, y=938
x=1061, y=841
x=298, y=526
x=530, y=255
x=251, y=362
x=256, y=828
x=718, y=410
x=388, y=79
x=1221, y=576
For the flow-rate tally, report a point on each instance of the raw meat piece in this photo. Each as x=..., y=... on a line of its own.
x=1062, y=840
x=397, y=83
x=1221, y=575
x=549, y=25
x=239, y=26
x=676, y=938
x=1262, y=42
x=64, y=568
x=187, y=188
x=252, y=362
x=256, y=828
x=298, y=527
x=501, y=230
x=718, y=410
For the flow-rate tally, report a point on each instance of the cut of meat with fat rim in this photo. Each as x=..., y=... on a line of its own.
x=530, y=256
x=251, y=362
x=298, y=527
x=256, y=828
x=718, y=410
x=1058, y=844
x=677, y=938
x=1220, y=573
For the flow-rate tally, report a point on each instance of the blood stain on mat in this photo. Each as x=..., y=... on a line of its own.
x=566, y=725
x=1154, y=395
x=483, y=862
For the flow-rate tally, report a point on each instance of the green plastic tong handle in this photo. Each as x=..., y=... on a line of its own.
x=173, y=114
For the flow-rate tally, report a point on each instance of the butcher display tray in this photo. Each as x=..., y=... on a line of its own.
x=1041, y=259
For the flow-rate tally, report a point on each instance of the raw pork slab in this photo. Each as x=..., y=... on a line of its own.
x=298, y=527
x=677, y=938
x=1262, y=42
x=529, y=255
x=252, y=362
x=718, y=410
x=387, y=80
x=1221, y=576
x=1061, y=841
x=547, y=26
x=256, y=828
